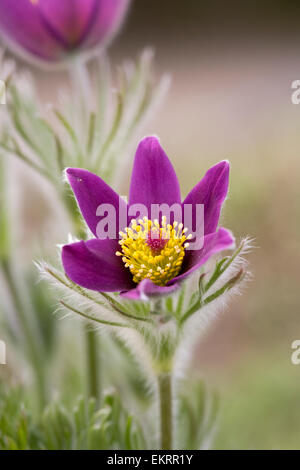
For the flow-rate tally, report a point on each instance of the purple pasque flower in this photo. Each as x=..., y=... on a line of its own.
x=152, y=257
x=53, y=29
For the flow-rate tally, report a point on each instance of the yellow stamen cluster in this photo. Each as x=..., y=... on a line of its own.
x=153, y=251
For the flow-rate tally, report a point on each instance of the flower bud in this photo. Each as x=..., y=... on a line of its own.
x=53, y=30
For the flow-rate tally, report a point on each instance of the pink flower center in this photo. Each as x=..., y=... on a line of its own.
x=156, y=242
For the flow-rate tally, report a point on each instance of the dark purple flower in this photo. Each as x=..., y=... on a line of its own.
x=152, y=256
x=53, y=29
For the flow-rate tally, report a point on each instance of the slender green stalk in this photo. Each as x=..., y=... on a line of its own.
x=90, y=318
x=27, y=160
x=166, y=412
x=93, y=363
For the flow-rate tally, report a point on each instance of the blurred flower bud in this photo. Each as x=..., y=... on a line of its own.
x=53, y=30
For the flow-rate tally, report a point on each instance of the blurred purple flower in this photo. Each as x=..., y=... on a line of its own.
x=145, y=266
x=53, y=29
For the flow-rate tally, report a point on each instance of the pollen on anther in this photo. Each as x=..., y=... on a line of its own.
x=153, y=251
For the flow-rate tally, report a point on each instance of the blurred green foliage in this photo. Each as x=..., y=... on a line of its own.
x=4, y=225
x=84, y=427
x=197, y=415
x=260, y=405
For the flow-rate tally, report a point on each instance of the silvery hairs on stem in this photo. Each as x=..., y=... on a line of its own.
x=168, y=326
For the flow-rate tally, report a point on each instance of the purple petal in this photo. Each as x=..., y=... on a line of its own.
x=213, y=243
x=91, y=192
x=94, y=265
x=69, y=18
x=21, y=25
x=153, y=180
x=65, y=20
x=105, y=21
x=147, y=288
x=211, y=191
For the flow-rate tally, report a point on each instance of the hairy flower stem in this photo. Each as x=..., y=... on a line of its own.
x=166, y=412
x=92, y=362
